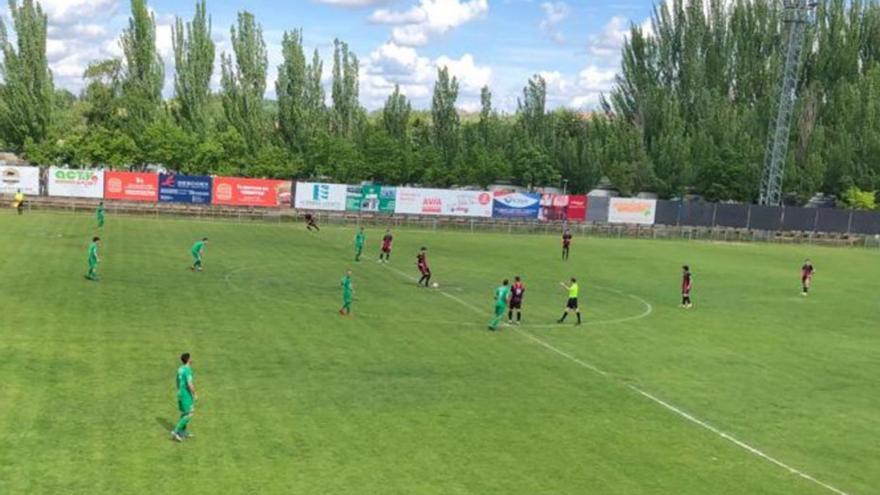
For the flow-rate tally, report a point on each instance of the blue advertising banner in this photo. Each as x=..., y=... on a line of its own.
x=185, y=189
x=515, y=205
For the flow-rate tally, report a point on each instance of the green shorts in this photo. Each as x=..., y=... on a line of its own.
x=185, y=405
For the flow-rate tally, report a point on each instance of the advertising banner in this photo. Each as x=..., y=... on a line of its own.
x=387, y=199
x=353, y=196
x=13, y=179
x=83, y=183
x=632, y=210
x=443, y=202
x=192, y=189
x=370, y=198
x=235, y=191
x=316, y=196
x=577, y=208
x=131, y=186
x=555, y=207
x=515, y=205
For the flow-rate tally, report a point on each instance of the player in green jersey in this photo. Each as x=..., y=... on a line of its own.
x=347, y=294
x=198, y=250
x=99, y=213
x=572, y=304
x=359, y=240
x=93, y=259
x=502, y=293
x=186, y=398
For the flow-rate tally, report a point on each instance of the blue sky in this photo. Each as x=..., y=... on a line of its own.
x=573, y=43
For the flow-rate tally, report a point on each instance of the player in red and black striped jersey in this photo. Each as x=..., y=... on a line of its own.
x=566, y=243
x=687, y=281
x=517, y=292
x=310, y=222
x=424, y=269
x=385, y=254
x=807, y=272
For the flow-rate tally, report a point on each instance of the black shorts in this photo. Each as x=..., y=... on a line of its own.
x=516, y=304
x=386, y=249
x=686, y=293
x=572, y=303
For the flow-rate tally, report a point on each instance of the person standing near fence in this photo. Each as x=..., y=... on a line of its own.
x=566, y=244
x=99, y=214
x=93, y=259
x=18, y=202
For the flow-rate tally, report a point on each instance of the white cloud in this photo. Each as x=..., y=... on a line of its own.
x=580, y=91
x=554, y=14
x=62, y=12
x=414, y=27
x=392, y=64
x=352, y=3
x=609, y=41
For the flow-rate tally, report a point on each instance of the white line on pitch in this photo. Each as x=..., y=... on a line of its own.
x=666, y=405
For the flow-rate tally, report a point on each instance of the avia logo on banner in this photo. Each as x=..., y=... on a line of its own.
x=432, y=205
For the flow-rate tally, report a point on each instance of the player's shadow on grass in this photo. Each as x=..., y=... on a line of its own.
x=165, y=424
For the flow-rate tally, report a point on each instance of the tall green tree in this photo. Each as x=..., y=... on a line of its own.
x=194, y=65
x=532, y=109
x=26, y=89
x=244, y=81
x=143, y=74
x=345, y=90
x=292, y=90
x=446, y=121
x=395, y=114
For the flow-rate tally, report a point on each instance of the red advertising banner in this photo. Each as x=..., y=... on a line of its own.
x=555, y=207
x=131, y=186
x=577, y=209
x=234, y=191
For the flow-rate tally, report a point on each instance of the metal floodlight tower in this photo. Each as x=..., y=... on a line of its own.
x=797, y=15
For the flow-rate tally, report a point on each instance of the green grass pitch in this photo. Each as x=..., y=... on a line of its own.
x=413, y=395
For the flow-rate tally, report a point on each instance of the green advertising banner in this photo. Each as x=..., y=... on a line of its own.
x=370, y=198
x=387, y=199
x=353, y=196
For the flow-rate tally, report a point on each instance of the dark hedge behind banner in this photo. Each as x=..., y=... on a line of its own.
x=866, y=222
x=803, y=219
x=732, y=215
x=697, y=214
x=597, y=209
x=765, y=217
x=667, y=212
x=833, y=220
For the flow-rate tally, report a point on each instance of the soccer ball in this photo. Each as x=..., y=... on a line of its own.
x=435, y=285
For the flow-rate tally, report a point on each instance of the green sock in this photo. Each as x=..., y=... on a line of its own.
x=181, y=425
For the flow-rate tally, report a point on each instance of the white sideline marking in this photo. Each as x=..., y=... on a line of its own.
x=666, y=405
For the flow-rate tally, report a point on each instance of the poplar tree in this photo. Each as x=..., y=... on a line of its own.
x=194, y=65
x=244, y=81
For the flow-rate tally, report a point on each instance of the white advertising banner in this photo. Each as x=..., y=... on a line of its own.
x=318, y=196
x=25, y=179
x=76, y=183
x=443, y=202
x=631, y=210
